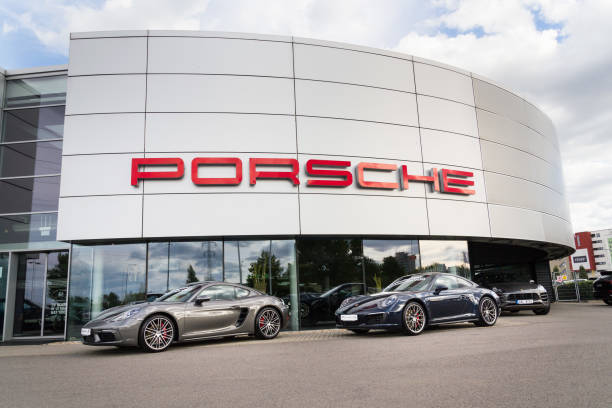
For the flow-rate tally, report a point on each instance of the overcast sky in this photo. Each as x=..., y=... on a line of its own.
x=555, y=53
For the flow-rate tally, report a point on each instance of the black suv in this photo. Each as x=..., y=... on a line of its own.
x=602, y=289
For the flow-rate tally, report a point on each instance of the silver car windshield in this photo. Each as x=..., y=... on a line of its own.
x=414, y=284
x=178, y=295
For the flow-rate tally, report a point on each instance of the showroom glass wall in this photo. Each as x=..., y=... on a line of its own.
x=328, y=271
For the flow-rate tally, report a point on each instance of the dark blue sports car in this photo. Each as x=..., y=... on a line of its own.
x=414, y=302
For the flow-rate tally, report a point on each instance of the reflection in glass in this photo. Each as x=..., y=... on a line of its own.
x=33, y=124
x=49, y=90
x=231, y=262
x=55, y=298
x=29, y=295
x=28, y=228
x=330, y=271
x=29, y=194
x=488, y=276
x=194, y=262
x=255, y=263
x=4, y=258
x=445, y=256
x=387, y=260
x=284, y=278
x=102, y=277
x=31, y=159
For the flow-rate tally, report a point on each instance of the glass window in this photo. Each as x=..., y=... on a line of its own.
x=219, y=292
x=490, y=275
x=241, y=293
x=175, y=264
x=4, y=258
x=29, y=194
x=180, y=294
x=28, y=228
x=55, y=299
x=445, y=256
x=248, y=262
x=449, y=282
x=387, y=260
x=34, y=124
x=326, y=267
x=284, y=278
x=30, y=159
x=413, y=283
x=49, y=90
x=104, y=276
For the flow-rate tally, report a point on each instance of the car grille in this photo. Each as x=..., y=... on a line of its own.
x=106, y=337
x=544, y=296
x=375, y=318
x=523, y=296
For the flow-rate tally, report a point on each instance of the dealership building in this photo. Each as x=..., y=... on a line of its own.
x=306, y=169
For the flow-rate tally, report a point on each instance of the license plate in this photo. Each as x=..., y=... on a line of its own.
x=524, y=302
x=85, y=332
x=348, y=318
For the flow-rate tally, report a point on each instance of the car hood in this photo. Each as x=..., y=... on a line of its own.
x=119, y=309
x=363, y=299
x=514, y=286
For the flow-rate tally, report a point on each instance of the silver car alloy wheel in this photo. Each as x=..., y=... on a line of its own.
x=488, y=311
x=269, y=323
x=414, y=316
x=158, y=333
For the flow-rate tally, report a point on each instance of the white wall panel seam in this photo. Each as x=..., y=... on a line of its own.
x=297, y=150
x=406, y=58
x=144, y=137
x=524, y=179
x=530, y=210
x=522, y=150
x=481, y=158
x=420, y=145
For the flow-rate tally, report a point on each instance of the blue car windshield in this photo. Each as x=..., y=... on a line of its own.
x=178, y=295
x=415, y=283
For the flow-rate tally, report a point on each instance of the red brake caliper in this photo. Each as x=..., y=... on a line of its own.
x=261, y=322
x=164, y=335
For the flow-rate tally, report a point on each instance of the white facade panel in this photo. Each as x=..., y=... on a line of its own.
x=512, y=191
x=346, y=214
x=535, y=119
x=495, y=99
x=108, y=56
x=219, y=93
x=332, y=100
x=104, y=133
x=104, y=174
x=557, y=230
x=353, y=67
x=357, y=138
x=451, y=148
x=451, y=218
x=440, y=114
x=500, y=129
x=518, y=223
x=506, y=160
x=107, y=217
x=443, y=83
x=219, y=56
x=220, y=215
x=105, y=94
x=220, y=132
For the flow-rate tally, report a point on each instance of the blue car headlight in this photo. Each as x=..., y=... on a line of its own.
x=388, y=301
x=125, y=315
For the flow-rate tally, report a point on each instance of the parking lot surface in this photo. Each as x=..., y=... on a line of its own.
x=563, y=359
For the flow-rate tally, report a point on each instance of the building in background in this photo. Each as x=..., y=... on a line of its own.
x=298, y=167
x=593, y=252
x=602, y=250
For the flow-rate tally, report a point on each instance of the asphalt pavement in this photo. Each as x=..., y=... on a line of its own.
x=563, y=359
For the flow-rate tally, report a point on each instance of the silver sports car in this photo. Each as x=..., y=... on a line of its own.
x=197, y=311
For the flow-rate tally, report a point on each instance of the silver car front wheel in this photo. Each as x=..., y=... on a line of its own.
x=414, y=318
x=267, y=323
x=156, y=333
x=488, y=312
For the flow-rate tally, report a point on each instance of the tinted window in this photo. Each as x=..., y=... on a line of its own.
x=34, y=124
x=29, y=194
x=36, y=91
x=31, y=159
x=219, y=292
x=463, y=283
x=241, y=293
x=447, y=281
x=415, y=283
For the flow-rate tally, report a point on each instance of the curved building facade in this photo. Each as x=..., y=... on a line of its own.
x=305, y=168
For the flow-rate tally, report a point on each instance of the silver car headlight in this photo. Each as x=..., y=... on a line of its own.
x=125, y=315
x=388, y=301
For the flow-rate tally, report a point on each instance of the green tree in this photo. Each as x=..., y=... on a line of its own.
x=582, y=273
x=191, y=275
x=258, y=271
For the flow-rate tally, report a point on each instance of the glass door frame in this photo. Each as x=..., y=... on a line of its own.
x=12, y=292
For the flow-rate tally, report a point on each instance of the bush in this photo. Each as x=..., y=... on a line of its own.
x=584, y=287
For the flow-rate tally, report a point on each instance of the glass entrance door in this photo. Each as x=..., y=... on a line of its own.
x=40, y=297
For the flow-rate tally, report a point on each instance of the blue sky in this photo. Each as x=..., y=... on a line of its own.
x=555, y=53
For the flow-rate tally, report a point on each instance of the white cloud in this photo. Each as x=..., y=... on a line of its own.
x=556, y=53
